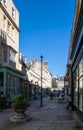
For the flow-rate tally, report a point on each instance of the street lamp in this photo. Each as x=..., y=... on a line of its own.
x=41, y=58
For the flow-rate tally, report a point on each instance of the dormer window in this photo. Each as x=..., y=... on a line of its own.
x=5, y=3
x=20, y=56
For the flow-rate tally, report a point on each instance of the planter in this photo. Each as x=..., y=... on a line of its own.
x=19, y=105
x=20, y=112
x=20, y=115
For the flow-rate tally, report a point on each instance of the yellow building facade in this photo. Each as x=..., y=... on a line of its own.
x=10, y=67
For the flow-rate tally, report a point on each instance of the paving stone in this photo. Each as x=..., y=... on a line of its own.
x=52, y=116
x=27, y=128
x=64, y=128
x=47, y=128
x=64, y=124
x=64, y=117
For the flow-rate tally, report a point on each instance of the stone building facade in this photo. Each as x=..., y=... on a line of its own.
x=10, y=67
x=34, y=74
x=60, y=82
x=75, y=60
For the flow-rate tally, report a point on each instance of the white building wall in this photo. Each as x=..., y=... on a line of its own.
x=9, y=5
x=34, y=74
x=9, y=24
x=60, y=81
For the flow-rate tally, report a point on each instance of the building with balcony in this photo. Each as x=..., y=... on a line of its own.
x=75, y=60
x=34, y=75
x=25, y=85
x=10, y=67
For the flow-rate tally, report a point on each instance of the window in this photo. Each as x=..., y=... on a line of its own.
x=20, y=56
x=12, y=56
x=76, y=94
x=13, y=33
x=5, y=52
x=1, y=80
x=13, y=12
x=12, y=59
x=12, y=85
x=8, y=27
x=8, y=85
x=78, y=85
x=81, y=67
x=4, y=23
x=5, y=2
x=81, y=94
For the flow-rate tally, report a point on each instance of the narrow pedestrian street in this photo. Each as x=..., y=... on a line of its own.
x=52, y=116
x=41, y=65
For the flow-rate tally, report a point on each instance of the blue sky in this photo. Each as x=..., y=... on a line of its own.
x=45, y=29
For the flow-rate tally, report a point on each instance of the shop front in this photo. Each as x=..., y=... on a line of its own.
x=9, y=82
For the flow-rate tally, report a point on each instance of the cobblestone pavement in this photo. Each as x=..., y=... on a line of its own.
x=52, y=116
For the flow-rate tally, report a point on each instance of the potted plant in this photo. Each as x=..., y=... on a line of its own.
x=19, y=105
